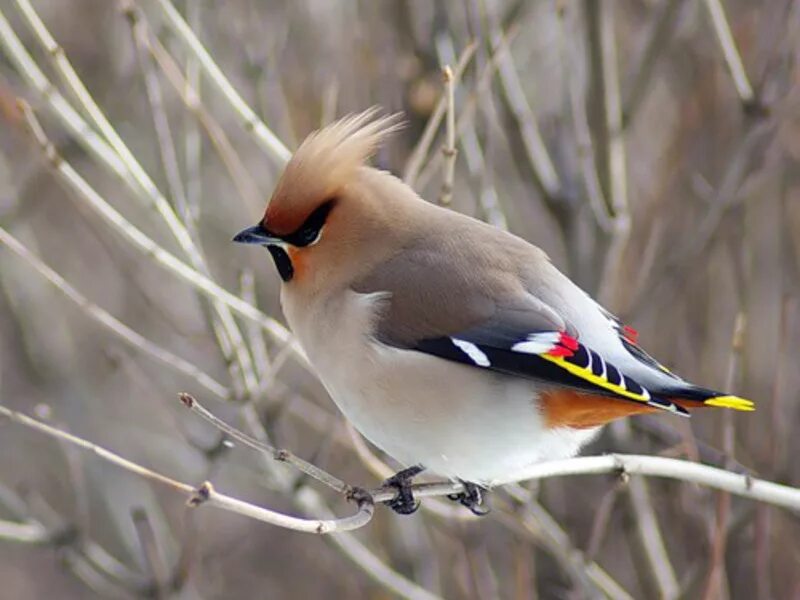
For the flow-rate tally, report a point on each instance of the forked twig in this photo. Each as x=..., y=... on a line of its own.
x=205, y=493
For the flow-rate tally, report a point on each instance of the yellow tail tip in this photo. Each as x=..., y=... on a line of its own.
x=733, y=402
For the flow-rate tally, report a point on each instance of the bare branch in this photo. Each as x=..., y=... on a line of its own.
x=670, y=468
x=520, y=108
x=583, y=134
x=280, y=455
x=661, y=28
x=732, y=57
x=111, y=323
x=146, y=245
x=159, y=571
x=248, y=119
x=28, y=533
x=239, y=175
x=420, y=152
x=655, y=550
x=206, y=494
x=538, y=524
x=617, y=176
x=449, y=149
x=467, y=113
x=118, y=158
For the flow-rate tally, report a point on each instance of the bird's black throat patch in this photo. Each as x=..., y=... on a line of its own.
x=282, y=262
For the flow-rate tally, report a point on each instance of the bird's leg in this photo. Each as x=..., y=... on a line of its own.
x=403, y=503
x=471, y=497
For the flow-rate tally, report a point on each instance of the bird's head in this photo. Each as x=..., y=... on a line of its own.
x=321, y=191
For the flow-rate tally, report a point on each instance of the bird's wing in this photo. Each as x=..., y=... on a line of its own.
x=551, y=356
x=480, y=315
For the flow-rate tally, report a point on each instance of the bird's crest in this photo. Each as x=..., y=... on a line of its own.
x=324, y=163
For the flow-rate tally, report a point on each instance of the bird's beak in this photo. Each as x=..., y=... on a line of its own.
x=257, y=235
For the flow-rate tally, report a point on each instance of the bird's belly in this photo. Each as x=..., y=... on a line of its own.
x=456, y=421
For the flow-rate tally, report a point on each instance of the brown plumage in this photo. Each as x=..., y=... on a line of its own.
x=578, y=410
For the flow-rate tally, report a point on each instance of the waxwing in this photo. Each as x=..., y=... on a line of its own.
x=451, y=345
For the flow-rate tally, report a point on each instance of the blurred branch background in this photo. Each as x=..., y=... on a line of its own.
x=650, y=147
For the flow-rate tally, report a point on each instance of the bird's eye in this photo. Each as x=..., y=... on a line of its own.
x=310, y=230
x=309, y=235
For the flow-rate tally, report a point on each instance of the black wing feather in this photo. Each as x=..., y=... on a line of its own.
x=472, y=350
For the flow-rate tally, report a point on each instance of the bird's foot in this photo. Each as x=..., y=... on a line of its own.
x=403, y=503
x=471, y=498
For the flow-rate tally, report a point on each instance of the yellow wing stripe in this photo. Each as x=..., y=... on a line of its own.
x=734, y=402
x=587, y=374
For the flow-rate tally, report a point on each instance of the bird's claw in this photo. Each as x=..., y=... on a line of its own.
x=403, y=503
x=471, y=498
x=359, y=495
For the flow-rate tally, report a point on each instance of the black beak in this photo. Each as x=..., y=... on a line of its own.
x=256, y=235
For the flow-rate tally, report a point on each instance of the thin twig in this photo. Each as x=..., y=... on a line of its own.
x=166, y=142
x=670, y=468
x=193, y=142
x=617, y=176
x=31, y=532
x=540, y=526
x=248, y=119
x=151, y=553
x=716, y=577
x=310, y=501
x=239, y=175
x=661, y=27
x=277, y=454
x=477, y=152
x=732, y=57
x=204, y=494
x=655, y=551
x=583, y=135
x=449, y=149
x=255, y=337
x=118, y=158
x=420, y=152
x=111, y=323
x=467, y=113
x=526, y=122
x=741, y=485
x=147, y=245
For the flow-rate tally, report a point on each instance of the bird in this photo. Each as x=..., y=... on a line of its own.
x=452, y=345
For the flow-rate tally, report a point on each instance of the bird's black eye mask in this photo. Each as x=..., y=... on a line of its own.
x=307, y=234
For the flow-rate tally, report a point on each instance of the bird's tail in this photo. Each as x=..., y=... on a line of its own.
x=692, y=396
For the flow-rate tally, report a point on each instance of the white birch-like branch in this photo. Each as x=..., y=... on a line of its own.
x=732, y=57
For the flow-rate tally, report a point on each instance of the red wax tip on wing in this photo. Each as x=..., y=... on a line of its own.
x=560, y=351
x=568, y=341
x=630, y=333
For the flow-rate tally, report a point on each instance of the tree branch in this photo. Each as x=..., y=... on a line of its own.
x=205, y=493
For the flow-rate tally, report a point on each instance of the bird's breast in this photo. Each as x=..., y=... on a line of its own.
x=456, y=420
